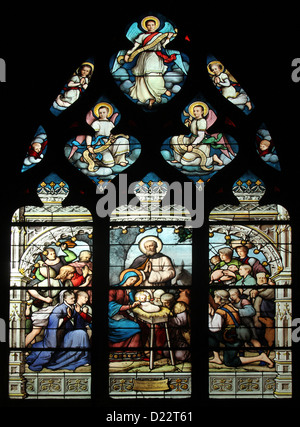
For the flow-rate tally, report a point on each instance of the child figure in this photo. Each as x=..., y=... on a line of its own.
x=264, y=147
x=215, y=260
x=146, y=305
x=226, y=276
x=247, y=279
x=227, y=84
x=77, y=84
x=84, y=310
x=156, y=297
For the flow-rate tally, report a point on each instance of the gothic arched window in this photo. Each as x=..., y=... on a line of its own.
x=151, y=166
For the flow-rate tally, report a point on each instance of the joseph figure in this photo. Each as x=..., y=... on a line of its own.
x=157, y=268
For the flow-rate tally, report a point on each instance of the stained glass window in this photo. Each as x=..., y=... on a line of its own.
x=250, y=291
x=149, y=297
x=150, y=159
x=50, y=326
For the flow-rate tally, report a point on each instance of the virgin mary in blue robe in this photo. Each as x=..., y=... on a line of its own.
x=122, y=330
x=55, y=351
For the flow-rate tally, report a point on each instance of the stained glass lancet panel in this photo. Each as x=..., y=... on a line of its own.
x=149, y=297
x=250, y=297
x=36, y=150
x=50, y=297
x=76, y=85
x=266, y=148
x=228, y=86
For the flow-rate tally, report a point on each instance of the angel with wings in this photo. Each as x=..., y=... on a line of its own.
x=228, y=85
x=150, y=66
x=149, y=63
x=103, y=149
x=195, y=149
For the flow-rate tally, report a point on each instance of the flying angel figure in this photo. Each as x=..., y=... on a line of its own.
x=155, y=70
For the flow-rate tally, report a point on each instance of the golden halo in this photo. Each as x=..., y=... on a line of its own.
x=148, y=296
x=213, y=63
x=138, y=272
x=145, y=239
x=88, y=63
x=150, y=18
x=203, y=105
x=103, y=104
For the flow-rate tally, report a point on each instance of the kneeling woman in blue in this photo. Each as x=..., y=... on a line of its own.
x=123, y=330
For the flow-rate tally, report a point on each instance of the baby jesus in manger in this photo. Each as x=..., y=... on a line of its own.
x=145, y=303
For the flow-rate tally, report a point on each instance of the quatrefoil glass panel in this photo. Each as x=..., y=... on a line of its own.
x=149, y=73
x=200, y=153
x=108, y=152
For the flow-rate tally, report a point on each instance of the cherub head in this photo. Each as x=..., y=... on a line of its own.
x=157, y=296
